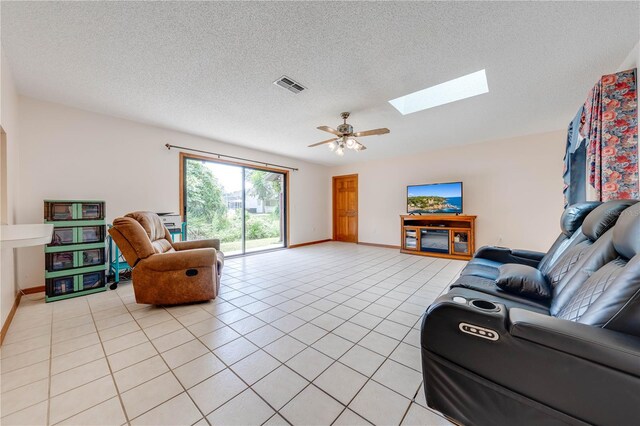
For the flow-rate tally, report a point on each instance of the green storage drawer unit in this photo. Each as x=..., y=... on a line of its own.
x=75, y=260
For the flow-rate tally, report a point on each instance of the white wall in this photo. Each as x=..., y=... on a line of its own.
x=69, y=153
x=632, y=60
x=514, y=186
x=8, y=121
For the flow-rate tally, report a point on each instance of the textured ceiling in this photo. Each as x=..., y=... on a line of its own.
x=206, y=68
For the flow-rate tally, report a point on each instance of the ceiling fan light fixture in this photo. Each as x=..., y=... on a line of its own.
x=345, y=137
x=351, y=143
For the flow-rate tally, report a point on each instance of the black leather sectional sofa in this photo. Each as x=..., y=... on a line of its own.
x=543, y=338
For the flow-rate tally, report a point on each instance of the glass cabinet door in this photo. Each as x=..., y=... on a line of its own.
x=460, y=242
x=411, y=238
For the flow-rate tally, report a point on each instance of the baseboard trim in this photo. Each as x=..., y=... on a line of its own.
x=379, y=245
x=32, y=290
x=14, y=308
x=308, y=243
x=12, y=312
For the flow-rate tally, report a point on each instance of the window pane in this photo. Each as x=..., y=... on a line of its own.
x=264, y=225
x=214, y=203
x=243, y=207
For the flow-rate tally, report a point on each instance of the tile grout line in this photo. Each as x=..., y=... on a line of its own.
x=249, y=284
x=370, y=330
x=227, y=366
x=50, y=370
x=113, y=379
x=307, y=346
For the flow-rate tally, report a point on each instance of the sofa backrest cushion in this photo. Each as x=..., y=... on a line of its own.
x=597, y=223
x=563, y=267
x=574, y=215
x=603, y=217
x=585, y=261
x=614, y=302
x=571, y=226
x=583, y=302
x=559, y=247
x=626, y=234
x=604, y=290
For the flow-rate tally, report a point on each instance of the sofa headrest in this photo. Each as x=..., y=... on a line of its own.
x=151, y=223
x=574, y=215
x=603, y=217
x=626, y=233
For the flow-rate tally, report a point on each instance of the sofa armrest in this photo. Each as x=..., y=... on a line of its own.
x=578, y=370
x=605, y=347
x=528, y=254
x=197, y=244
x=178, y=260
x=507, y=255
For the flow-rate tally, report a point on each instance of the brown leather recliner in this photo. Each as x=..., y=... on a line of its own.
x=167, y=272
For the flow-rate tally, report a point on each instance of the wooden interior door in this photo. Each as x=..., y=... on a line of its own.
x=345, y=208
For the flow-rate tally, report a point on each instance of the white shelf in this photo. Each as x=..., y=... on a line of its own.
x=13, y=236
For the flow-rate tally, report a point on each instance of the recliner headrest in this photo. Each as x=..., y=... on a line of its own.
x=603, y=217
x=626, y=233
x=574, y=215
x=151, y=223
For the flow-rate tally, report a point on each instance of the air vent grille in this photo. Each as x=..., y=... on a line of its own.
x=289, y=84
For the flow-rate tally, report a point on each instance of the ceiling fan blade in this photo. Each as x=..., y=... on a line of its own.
x=323, y=142
x=330, y=130
x=381, y=131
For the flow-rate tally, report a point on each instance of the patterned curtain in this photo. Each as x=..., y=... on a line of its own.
x=610, y=127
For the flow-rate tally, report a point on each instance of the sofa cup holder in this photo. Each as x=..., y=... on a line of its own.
x=484, y=305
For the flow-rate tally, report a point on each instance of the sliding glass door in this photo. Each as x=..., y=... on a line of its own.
x=264, y=205
x=242, y=206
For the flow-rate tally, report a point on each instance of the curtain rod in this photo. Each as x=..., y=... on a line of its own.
x=169, y=146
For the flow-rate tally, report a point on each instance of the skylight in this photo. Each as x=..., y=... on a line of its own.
x=450, y=91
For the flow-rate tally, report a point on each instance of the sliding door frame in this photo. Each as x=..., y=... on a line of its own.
x=183, y=199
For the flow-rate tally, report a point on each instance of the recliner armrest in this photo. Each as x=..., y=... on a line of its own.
x=178, y=260
x=507, y=255
x=528, y=254
x=605, y=347
x=197, y=244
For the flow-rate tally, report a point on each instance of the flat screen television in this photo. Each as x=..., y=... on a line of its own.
x=435, y=198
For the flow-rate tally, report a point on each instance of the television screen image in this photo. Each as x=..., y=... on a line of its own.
x=435, y=198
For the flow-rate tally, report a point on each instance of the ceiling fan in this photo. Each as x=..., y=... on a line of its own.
x=346, y=138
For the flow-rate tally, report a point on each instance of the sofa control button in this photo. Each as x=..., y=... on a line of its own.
x=460, y=300
x=476, y=330
x=192, y=272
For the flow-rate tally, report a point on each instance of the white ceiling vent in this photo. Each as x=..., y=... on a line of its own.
x=289, y=84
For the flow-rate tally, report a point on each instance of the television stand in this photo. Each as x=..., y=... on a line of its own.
x=446, y=236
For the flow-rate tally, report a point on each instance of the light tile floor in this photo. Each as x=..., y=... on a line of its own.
x=319, y=335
